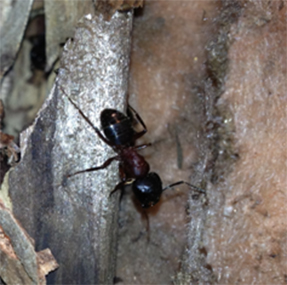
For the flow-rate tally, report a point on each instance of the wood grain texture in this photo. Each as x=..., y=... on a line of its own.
x=75, y=218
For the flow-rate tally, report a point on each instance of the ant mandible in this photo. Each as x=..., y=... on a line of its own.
x=133, y=168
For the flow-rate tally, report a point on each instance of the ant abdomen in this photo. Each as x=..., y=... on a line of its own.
x=117, y=127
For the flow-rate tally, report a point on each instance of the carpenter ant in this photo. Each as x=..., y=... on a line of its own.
x=133, y=168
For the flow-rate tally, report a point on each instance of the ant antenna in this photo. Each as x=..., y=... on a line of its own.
x=183, y=182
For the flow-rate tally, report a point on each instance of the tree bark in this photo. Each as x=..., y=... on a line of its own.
x=75, y=217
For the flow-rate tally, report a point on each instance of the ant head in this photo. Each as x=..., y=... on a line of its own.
x=148, y=189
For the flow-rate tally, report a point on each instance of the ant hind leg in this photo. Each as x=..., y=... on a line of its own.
x=104, y=165
x=86, y=118
x=139, y=119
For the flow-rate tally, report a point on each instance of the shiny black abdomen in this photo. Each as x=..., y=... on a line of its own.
x=117, y=127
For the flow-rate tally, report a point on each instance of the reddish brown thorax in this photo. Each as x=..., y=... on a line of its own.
x=133, y=164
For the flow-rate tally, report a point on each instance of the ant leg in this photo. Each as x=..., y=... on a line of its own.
x=119, y=186
x=145, y=215
x=104, y=165
x=103, y=138
x=138, y=117
x=142, y=146
x=122, y=184
x=183, y=182
x=86, y=118
x=140, y=134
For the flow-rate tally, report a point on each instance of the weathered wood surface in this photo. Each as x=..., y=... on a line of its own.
x=13, y=20
x=76, y=218
x=20, y=263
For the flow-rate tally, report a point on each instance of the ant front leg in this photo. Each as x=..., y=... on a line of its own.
x=146, y=217
x=119, y=186
x=122, y=184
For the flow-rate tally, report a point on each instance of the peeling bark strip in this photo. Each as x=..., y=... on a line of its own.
x=14, y=18
x=77, y=220
x=20, y=263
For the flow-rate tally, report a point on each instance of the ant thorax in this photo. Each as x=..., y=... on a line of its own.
x=133, y=164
